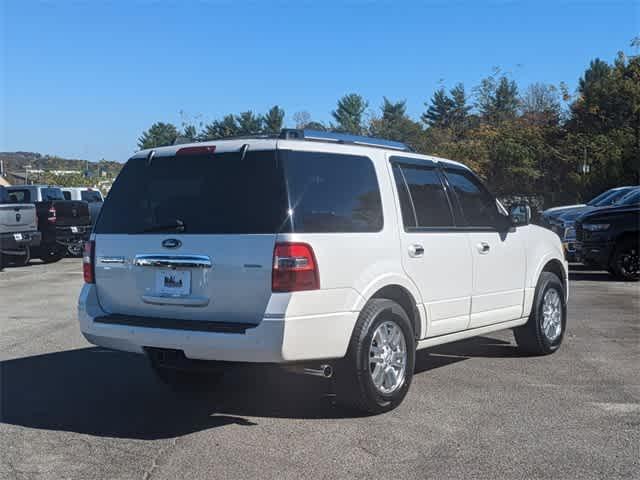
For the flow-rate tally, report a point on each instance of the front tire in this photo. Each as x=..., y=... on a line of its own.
x=376, y=373
x=625, y=264
x=544, y=331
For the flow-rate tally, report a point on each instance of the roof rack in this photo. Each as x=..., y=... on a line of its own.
x=320, y=136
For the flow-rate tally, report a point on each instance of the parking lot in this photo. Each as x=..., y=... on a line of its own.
x=477, y=408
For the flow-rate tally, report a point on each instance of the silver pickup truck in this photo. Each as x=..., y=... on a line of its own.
x=18, y=231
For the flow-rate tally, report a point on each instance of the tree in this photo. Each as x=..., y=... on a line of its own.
x=497, y=99
x=349, y=114
x=190, y=133
x=302, y=119
x=541, y=104
x=460, y=110
x=274, y=120
x=439, y=113
x=227, y=127
x=395, y=124
x=598, y=71
x=249, y=123
x=159, y=135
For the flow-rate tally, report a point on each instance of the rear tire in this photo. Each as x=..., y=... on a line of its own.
x=625, y=263
x=376, y=373
x=544, y=331
x=51, y=254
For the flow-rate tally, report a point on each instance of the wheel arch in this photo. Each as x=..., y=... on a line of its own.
x=401, y=290
x=405, y=299
x=558, y=268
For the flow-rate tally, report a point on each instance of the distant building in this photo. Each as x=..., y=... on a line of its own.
x=4, y=182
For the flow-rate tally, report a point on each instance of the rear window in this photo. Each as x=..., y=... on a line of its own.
x=207, y=194
x=90, y=196
x=261, y=193
x=49, y=194
x=19, y=196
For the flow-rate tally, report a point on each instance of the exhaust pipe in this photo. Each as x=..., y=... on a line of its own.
x=325, y=371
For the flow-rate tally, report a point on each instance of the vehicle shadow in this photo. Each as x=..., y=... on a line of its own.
x=114, y=394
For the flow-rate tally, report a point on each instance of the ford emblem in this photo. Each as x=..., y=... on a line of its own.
x=171, y=243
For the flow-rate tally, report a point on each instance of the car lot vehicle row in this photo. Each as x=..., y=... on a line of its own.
x=18, y=231
x=325, y=251
x=562, y=220
x=64, y=225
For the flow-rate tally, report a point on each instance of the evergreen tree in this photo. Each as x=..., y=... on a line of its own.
x=249, y=123
x=440, y=112
x=227, y=127
x=349, y=114
x=498, y=99
x=394, y=123
x=159, y=135
x=274, y=120
x=460, y=109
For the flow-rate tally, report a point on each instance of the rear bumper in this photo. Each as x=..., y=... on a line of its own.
x=274, y=340
x=8, y=241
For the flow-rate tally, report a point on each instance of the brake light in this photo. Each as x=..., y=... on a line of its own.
x=88, y=261
x=196, y=150
x=51, y=214
x=294, y=268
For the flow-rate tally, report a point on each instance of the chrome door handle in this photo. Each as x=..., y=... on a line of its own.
x=483, y=248
x=416, y=250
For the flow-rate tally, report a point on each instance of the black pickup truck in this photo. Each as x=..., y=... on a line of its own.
x=609, y=238
x=64, y=224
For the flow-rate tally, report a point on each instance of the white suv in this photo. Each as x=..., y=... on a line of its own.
x=334, y=255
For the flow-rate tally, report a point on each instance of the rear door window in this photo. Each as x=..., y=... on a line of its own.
x=67, y=195
x=423, y=200
x=208, y=194
x=330, y=192
x=478, y=205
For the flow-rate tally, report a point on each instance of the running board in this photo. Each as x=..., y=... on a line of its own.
x=474, y=332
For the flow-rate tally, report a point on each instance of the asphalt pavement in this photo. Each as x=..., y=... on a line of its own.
x=477, y=408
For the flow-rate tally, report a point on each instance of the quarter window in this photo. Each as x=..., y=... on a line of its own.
x=330, y=192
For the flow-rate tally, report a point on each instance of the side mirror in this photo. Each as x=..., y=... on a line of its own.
x=520, y=214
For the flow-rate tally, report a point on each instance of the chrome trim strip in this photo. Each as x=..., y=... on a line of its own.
x=173, y=261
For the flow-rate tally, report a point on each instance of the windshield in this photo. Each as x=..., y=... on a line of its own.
x=630, y=198
x=608, y=197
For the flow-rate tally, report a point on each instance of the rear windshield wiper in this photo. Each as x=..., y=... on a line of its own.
x=176, y=226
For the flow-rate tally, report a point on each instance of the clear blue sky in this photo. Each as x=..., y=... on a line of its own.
x=83, y=79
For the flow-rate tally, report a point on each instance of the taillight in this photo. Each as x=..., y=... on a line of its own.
x=294, y=268
x=51, y=214
x=88, y=262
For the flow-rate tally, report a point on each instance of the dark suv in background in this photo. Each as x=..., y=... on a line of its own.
x=609, y=238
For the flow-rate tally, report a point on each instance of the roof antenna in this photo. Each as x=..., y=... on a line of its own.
x=243, y=151
x=150, y=156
